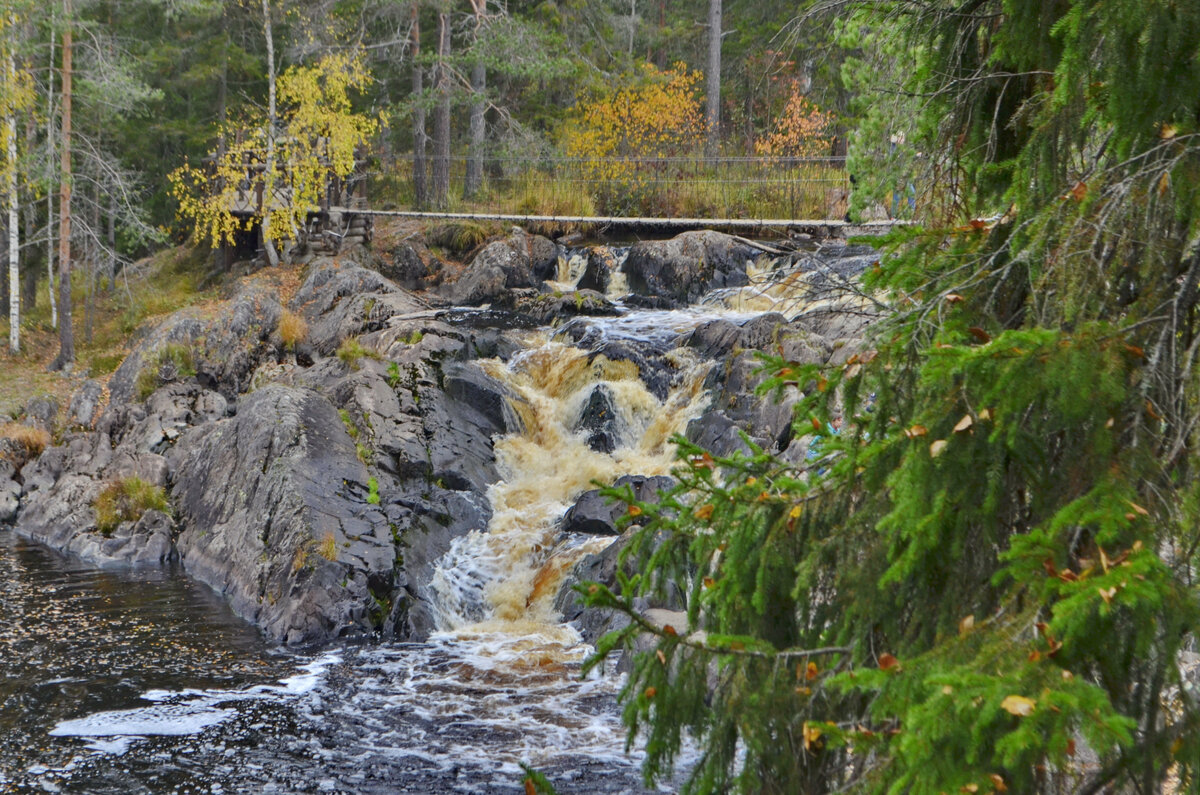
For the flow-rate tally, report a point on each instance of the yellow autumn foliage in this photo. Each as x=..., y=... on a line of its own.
x=316, y=135
x=802, y=130
x=656, y=115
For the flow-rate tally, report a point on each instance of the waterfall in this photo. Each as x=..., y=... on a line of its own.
x=505, y=580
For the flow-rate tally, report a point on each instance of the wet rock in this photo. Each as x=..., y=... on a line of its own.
x=544, y=308
x=145, y=542
x=84, y=405
x=470, y=386
x=715, y=338
x=597, y=274
x=593, y=623
x=595, y=514
x=432, y=520
x=600, y=420
x=687, y=266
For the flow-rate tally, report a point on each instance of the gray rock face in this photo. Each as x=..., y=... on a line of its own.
x=687, y=266
x=81, y=412
x=273, y=506
x=41, y=412
x=521, y=260
x=10, y=492
x=544, y=308
x=340, y=301
x=225, y=349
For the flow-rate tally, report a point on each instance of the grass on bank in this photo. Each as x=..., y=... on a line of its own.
x=169, y=280
x=32, y=441
x=126, y=500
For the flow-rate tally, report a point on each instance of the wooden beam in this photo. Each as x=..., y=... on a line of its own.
x=826, y=226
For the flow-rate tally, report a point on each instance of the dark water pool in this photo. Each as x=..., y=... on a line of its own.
x=144, y=682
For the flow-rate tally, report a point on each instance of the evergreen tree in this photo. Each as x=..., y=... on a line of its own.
x=991, y=585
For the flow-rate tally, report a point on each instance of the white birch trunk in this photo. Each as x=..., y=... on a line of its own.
x=269, y=173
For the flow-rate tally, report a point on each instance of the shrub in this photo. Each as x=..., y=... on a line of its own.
x=372, y=491
x=125, y=500
x=293, y=330
x=31, y=440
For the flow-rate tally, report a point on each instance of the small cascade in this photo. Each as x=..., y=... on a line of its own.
x=573, y=266
x=503, y=582
x=794, y=287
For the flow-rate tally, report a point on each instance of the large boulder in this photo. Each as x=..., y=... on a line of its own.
x=274, y=514
x=222, y=349
x=521, y=260
x=687, y=266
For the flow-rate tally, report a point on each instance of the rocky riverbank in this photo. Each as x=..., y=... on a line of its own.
x=317, y=482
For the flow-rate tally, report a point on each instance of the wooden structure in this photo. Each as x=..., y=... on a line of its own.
x=337, y=222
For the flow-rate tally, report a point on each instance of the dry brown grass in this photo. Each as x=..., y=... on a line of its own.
x=293, y=329
x=32, y=440
x=328, y=548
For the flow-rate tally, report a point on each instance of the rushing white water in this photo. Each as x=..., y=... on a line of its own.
x=503, y=582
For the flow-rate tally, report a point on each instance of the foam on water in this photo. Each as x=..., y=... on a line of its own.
x=184, y=712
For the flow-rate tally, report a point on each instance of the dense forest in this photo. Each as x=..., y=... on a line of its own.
x=463, y=102
x=987, y=580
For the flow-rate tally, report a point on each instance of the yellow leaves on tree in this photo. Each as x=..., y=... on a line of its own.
x=16, y=89
x=656, y=115
x=802, y=130
x=316, y=137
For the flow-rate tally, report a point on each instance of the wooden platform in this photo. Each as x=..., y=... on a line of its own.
x=818, y=227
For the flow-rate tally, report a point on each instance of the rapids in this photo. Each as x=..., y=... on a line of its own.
x=142, y=681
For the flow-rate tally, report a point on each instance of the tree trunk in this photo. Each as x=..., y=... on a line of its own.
x=14, y=242
x=477, y=127
x=33, y=259
x=441, y=115
x=269, y=165
x=50, y=194
x=420, y=139
x=93, y=261
x=66, y=336
x=712, y=86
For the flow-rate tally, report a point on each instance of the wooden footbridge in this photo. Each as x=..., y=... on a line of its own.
x=819, y=228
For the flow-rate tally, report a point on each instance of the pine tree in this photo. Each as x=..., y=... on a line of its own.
x=991, y=586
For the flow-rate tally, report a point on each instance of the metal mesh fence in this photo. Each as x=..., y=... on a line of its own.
x=650, y=187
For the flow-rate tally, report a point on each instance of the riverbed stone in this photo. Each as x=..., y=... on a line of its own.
x=595, y=514
x=687, y=266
